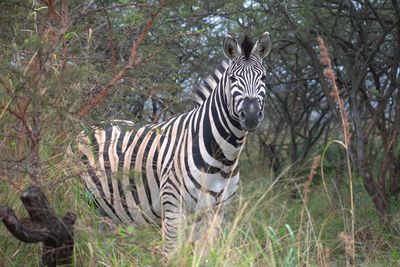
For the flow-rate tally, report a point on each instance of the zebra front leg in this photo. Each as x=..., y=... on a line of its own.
x=208, y=228
x=173, y=216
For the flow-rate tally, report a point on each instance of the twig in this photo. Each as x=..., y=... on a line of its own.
x=111, y=42
x=106, y=90
x=103, y=8
x=8, y=180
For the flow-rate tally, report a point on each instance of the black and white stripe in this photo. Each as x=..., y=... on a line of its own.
x=201, y=93
x=160, y=172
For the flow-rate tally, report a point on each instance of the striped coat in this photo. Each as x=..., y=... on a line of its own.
x=159, y=173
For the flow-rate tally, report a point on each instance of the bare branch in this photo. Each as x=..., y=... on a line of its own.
x=111, y=42
x=106, y=90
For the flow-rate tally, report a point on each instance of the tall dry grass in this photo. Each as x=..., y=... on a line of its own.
x=325, y=60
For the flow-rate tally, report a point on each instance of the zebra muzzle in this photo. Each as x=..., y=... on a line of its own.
x=251, y=114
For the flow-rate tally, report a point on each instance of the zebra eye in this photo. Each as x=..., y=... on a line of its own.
x=264, y=79
x=232, y=79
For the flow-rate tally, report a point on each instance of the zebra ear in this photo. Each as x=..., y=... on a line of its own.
x=263, y=46
x=231, y=48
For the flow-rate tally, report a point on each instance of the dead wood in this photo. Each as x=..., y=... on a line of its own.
x=42, y=226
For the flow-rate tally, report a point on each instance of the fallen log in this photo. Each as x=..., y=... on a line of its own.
x=44, y=226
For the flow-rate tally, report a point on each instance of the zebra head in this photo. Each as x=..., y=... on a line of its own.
x=246, y=79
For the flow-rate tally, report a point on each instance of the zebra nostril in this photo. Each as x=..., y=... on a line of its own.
x=242, y=116
x=260, y=115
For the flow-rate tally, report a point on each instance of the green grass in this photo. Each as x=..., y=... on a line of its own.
x=261, y=229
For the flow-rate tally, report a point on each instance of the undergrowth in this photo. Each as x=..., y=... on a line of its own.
x=263, y=227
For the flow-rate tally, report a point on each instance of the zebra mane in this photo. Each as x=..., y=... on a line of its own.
x=201, y=93
x=247, y=46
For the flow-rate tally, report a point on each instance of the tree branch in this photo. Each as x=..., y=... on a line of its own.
x=111, y=42
x=106, y=90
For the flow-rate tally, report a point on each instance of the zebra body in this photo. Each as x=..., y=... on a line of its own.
x=160, y=172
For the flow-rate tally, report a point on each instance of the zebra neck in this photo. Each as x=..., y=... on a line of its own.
x=221, y=133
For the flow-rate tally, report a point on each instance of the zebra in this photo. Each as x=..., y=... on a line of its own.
x=160, y=173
